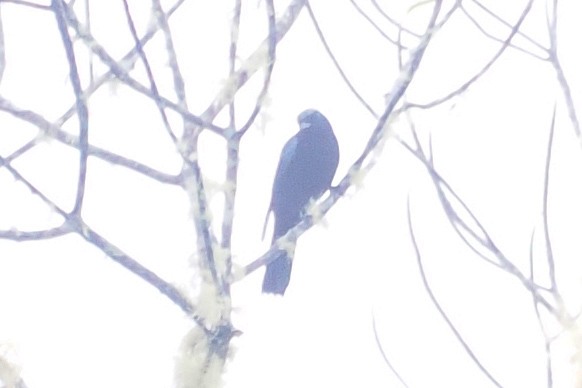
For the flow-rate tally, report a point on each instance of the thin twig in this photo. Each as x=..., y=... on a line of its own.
x=232, y=157
x=437, y=305
x=479, y=74
x=51, y=130
x=485, y=240
x=548, y=241
x=496, y=39
x=393, y=21
x=128, y=60
x=507, y=24
x=162, y=20
x=81, y=104
x=153, y=86
x=555, y=61
x=254, y=62
x=120, y=71
x=375, y=25
x=36, y=235
x=384, y=356
x=28, y=4
x=73, y=223
x=272, y=46
x=136, y=268
x=338, y=67
x=547, y=339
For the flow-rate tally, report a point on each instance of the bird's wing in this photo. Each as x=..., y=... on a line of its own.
x=286, y=156
x=284, y=162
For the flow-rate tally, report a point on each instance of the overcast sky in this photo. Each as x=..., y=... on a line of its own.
x=72, y=317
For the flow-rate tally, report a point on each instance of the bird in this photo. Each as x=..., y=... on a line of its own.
x=306, y=168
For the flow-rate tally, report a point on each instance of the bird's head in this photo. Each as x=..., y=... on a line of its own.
x=312, y=118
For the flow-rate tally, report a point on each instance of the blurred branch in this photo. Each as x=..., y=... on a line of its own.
x=461, y=227
x=232, y=145
x=393, y=21
x=18, y=177
x=234, y=35
x=153, y=87
x=504, y=23
x=466, y=85
x=347, y=81
x=136, y=268
x=233, y=141
x=128, y=60
x=375, y=25
x=507, y=24
x=87, y=6
x=192, y=179
x=73, y=223
x=52, y=130
x=2, y=49
x=548, y=241
x=435, y=302
x=119, y=69
x=81, y=105
x=457, y=221
x=28, y=4
x=193, y=183
x=270, y=63
x=384, y=357
x=547, y=339
x=37, y=235
x=198, y=195
x=161, y=18
x=562, y=80
x=254, y=62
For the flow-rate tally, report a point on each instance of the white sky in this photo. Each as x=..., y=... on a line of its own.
x=72, y=317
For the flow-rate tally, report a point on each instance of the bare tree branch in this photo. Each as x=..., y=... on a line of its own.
x=347, y=81
x=120, y=71
x=136, y=268
x=73, y=223
x=548, y=241
x=562, y=80
x=487, y=66
x=547, y=339
x=384, y=356
x=2, y=49
x=375, y=25
x=82, y=112
x=254, y=62
x=28, y=4
x=506, y=24
x=232, y=158
x=153, y=87
x=393, y=21
x=441, y=311
x=461, y=227
x=128, y=60
x=51, y=130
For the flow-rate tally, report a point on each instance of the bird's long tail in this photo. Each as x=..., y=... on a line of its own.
x=278, y=273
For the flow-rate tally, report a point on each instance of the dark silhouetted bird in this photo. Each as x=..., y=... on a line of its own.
x=305, y=171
